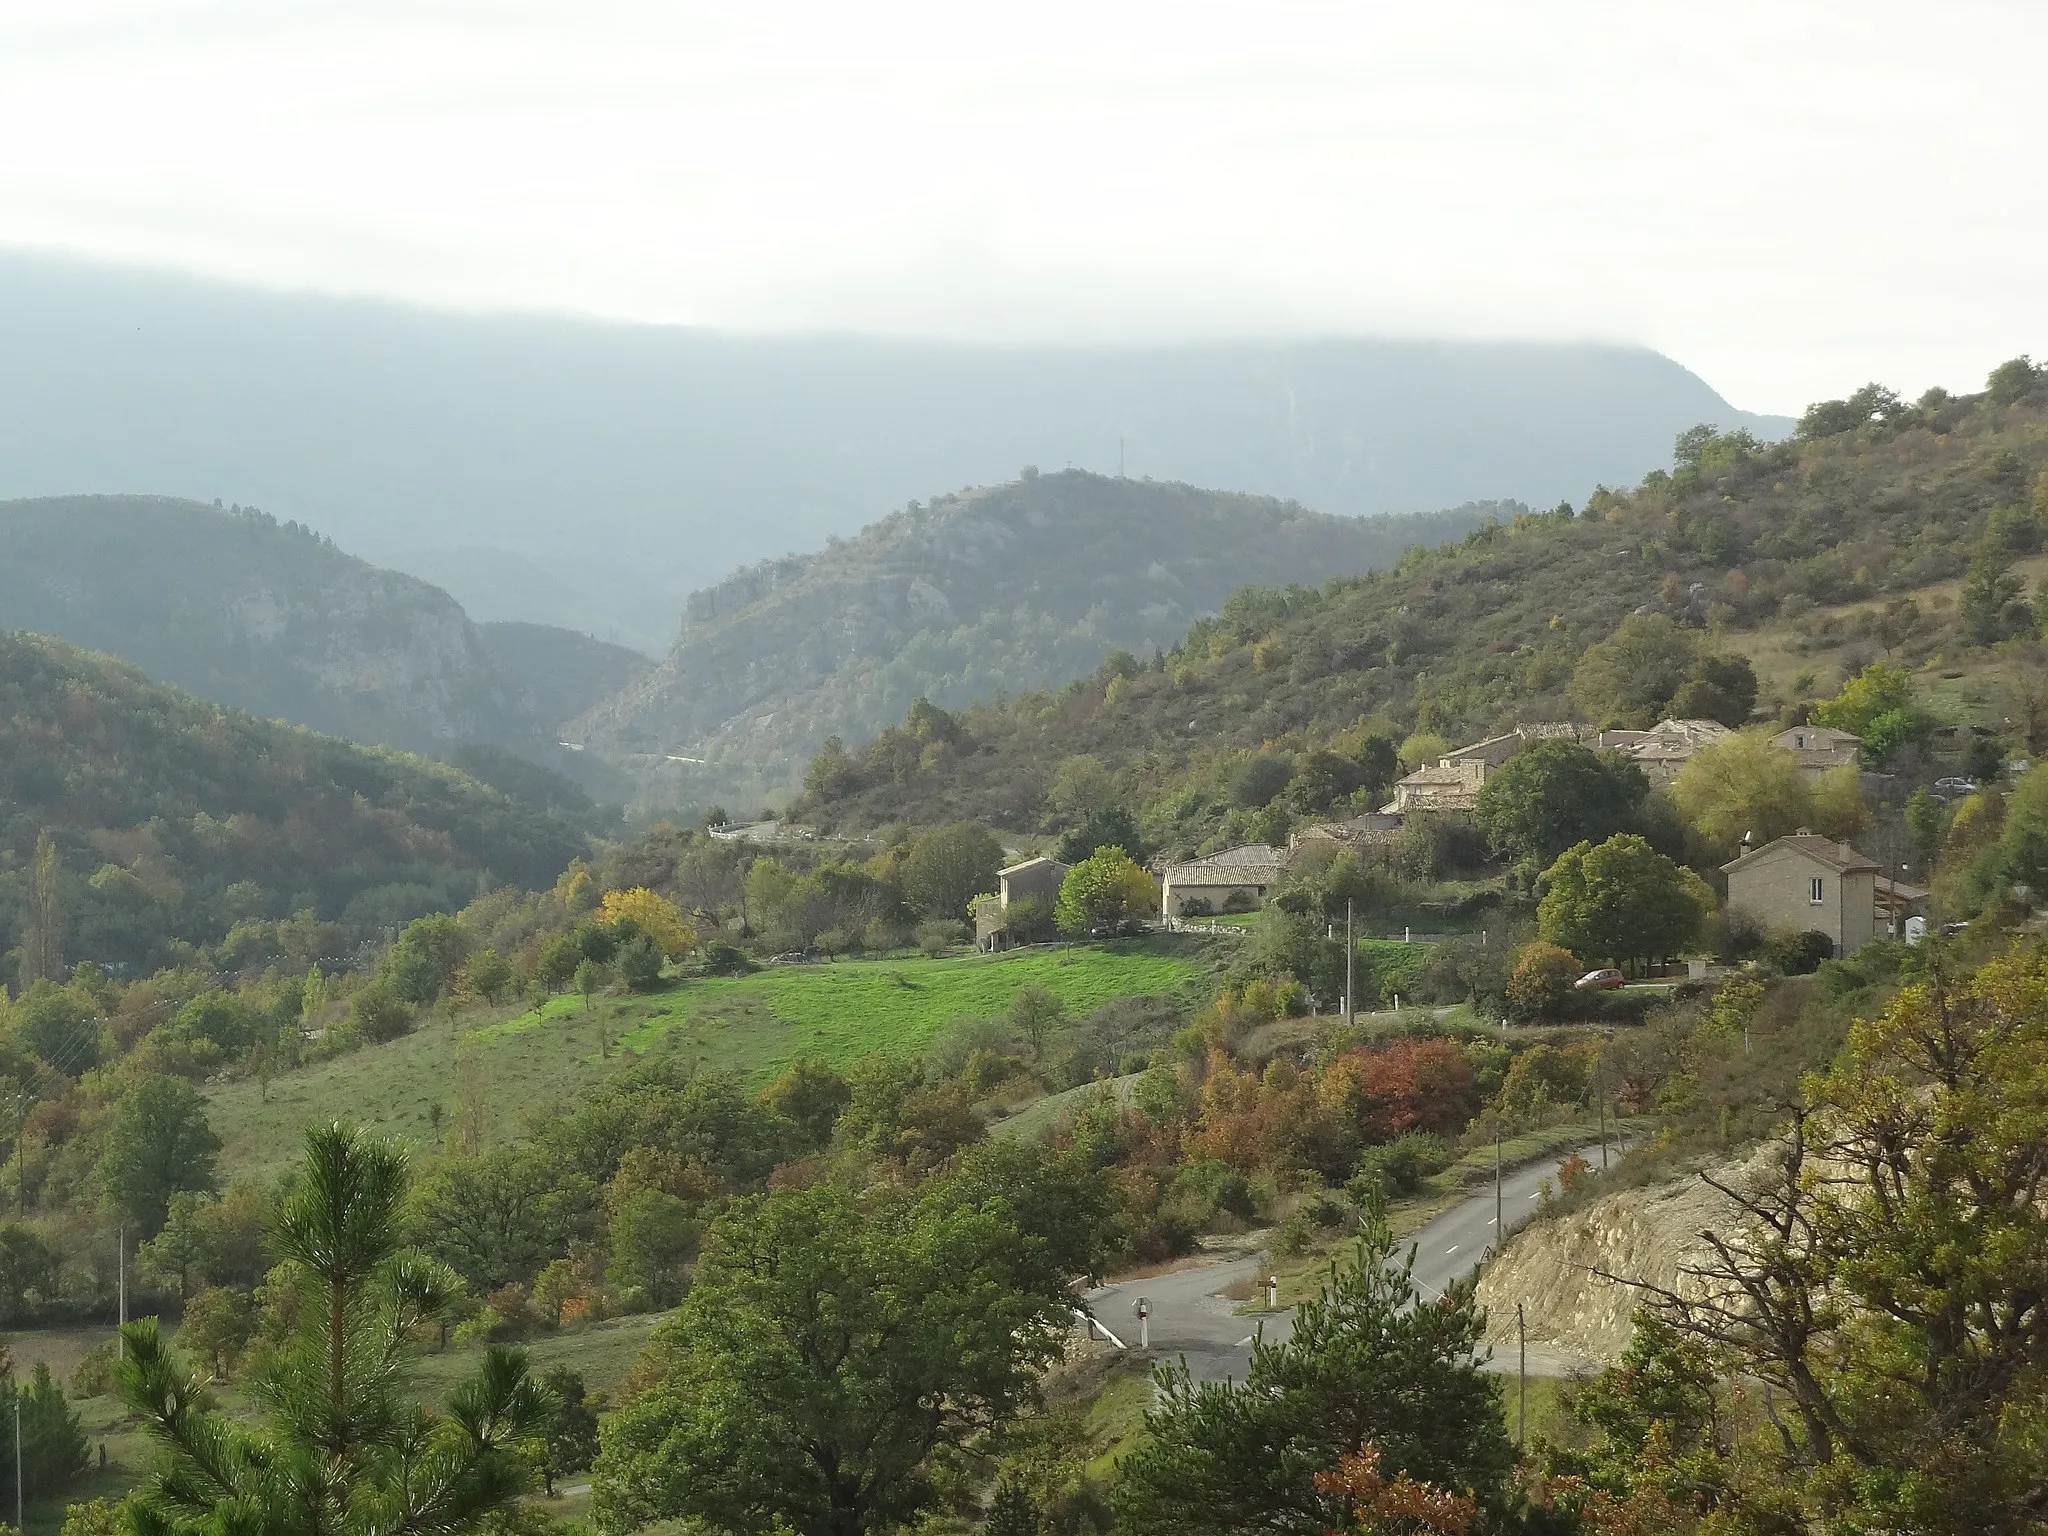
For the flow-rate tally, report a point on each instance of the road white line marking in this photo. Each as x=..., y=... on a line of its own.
x=1452, y=1249
x=1490, y=1220
x=1248, y=1338
x=1536, y=1195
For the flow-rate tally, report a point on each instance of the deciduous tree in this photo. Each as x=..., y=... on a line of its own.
x=833, y=1341
x=1621, y=900
x=158, y=1144
x=1105, y=890
x=1555, y=794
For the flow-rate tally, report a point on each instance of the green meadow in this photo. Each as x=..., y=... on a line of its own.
x=517, y=1063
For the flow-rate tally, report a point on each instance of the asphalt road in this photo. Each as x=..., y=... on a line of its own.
x=1191, y=1319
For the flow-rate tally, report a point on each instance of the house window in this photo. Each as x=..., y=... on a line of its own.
x=1817, y=893
x=1801, y=741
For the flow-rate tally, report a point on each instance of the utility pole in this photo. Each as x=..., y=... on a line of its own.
x=1350, y=949
x=1500, y=1231
x=17, y=1460
x=1600, y=1091
x=1521, y=1379
x=121, y=1282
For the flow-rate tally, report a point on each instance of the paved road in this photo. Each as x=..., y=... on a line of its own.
x=1190, y=1318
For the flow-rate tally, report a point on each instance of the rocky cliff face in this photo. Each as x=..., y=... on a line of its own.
x=1001, y=589
x=1556, y=1268
x=267, y=617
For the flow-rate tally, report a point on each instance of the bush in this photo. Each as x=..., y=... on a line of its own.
x=939, y=935
x=1398, y=1167
x=379, y=1014
x=1236, y=901
x=1542, y=981
x=1304, y=1225
x=640, y=963
x=721, y=959
x=1196, y=906
x=1792, y=953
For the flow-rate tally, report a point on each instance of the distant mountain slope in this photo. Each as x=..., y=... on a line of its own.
x=264, y=616
x=1001, y=589
x=561, y=673
x=175, y=818
x=1875, y=500
x=592, y=474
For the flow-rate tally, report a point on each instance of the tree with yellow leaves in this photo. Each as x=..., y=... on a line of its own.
x=654, y=915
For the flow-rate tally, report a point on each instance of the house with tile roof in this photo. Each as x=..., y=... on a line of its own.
x=1453, y=781
x=1030, y=879
x=1819, y=748
x=1665, y=748
x=1815, y=884
x=1232, y=880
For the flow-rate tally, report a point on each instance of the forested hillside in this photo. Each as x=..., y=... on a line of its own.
x=560, y=672
x=137, y=819
x=272, y=618
x=1817, y=543
x=989, y=591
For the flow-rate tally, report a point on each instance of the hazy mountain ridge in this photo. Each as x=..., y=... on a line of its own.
x=271, y=618
x=992, y=590
x=591, y=475
x=561, y=672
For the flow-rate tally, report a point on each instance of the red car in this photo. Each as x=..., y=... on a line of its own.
x=1600, y=981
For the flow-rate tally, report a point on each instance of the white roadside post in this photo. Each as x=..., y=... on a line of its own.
x=1144, y=1311
x=1272, y=1293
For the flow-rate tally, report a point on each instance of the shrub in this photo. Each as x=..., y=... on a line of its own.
x=721, y=959
x=379, y=1014
x=1398, y=1167
x=938, y=935
x=1792, y=953
x=1542, y=981
x=640, y=963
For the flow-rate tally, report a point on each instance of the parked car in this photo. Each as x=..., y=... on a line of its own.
x=1600, y=981
x=1955, y=788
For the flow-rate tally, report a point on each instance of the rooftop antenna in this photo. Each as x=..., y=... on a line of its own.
x=1120, y=457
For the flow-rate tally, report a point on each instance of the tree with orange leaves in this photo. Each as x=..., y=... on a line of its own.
x=1381, y=1507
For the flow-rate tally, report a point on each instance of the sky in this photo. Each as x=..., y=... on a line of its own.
x=1790, y=198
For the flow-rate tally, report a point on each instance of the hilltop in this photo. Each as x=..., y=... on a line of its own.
x=1811, y=548
x=271, y=617
x=591, y=474
x=984, y=592
x=174, y=819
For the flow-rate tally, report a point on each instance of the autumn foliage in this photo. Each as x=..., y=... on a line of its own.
x=1402, y=1504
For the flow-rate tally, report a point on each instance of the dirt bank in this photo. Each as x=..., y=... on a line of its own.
x=1554, y=1267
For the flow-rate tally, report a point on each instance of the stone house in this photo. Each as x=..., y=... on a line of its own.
x=1039, y=878
x=1236, y=879
x=1808, y=883
x=1819, y=748
x=1453, y=781
x=1665, y=748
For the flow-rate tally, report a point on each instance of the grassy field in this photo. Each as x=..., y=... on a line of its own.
x=749, y=1024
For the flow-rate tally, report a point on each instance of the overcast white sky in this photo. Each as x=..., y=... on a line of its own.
x=1789, y=198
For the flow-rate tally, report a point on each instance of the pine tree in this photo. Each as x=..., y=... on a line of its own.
x=1012, y=1512
x=343, y=1448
